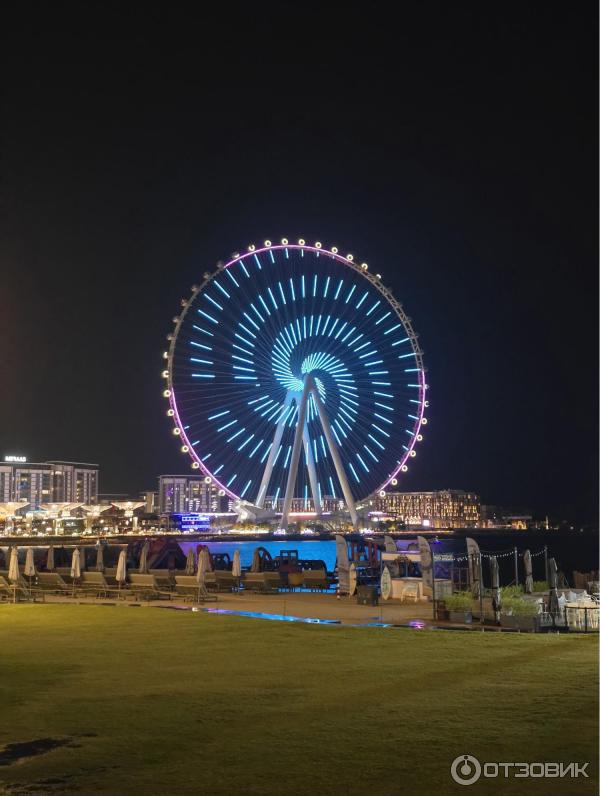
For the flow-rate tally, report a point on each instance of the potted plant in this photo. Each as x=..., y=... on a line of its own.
x=459, y=605
x=519, y=613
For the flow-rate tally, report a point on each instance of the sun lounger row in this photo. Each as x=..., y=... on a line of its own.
x=165, y=584
x=19, y=592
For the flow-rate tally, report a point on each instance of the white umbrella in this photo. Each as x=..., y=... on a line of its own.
x=29, y=565
x=76, y=564
x=121, y=575
x=236, y=568
x=100, y=558
x=29, y=569
x=13, y=568
x=50, y=559
x=255, y=561
x=203, y=564
x=143, y=568
x=190, y=562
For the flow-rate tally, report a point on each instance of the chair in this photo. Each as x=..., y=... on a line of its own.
x=52, y=583
x=95, y=583
x=6, y=592
x=65, y=574
x=294, y=581
x=410, y=593
x=146, y=587
x=315, y=579
x=164, y=577
x=187, y=586
x=19, y=591
x=224, y=580
x=262, y=581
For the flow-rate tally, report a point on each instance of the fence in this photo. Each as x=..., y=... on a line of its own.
x=575, y=619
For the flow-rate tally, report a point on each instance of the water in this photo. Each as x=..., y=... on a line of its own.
x=312, y=550
x=572, y=550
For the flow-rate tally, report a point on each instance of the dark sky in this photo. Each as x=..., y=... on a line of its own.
x=452, y=147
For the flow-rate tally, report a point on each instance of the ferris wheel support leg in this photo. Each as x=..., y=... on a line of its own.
x=264, y=484
x=335, y=455
x=312, y=471
x=296, y=450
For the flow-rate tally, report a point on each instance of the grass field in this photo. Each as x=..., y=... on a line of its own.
x=169, y=702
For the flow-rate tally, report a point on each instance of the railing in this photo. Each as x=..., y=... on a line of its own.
x=576, y=619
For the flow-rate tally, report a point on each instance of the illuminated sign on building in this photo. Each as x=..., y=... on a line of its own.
x=15, y=458
x=189, y=522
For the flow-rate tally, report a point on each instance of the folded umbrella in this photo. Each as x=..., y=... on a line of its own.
x=121, y=575
x=29, y=564
x=143, y=567
x=528, y=572
x=190, y=562
x=100, y=558
x=203, y=565
x=13, y=569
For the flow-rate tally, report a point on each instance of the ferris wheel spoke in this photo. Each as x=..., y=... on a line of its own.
x=248, y=342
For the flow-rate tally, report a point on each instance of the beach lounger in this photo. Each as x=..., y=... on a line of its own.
x=6, y=593
x=165, y=578
x=146, y=587
x=315, y=579
x=95, y=583
x=20, y=591
x=224, y=580
x=262, y=581
x=52, y=583
x=65, y=574
x=187, y=586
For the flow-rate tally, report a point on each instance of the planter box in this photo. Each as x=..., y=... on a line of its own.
x=526, y=623
x=461, y=617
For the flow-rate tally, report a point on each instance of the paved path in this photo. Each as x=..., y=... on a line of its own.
x=311, y=605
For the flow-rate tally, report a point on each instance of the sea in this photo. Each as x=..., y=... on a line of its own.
x=572, y=550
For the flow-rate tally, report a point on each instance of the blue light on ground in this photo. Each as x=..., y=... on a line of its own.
x=273, y=617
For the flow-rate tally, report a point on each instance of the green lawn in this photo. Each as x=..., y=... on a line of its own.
x=171, y=702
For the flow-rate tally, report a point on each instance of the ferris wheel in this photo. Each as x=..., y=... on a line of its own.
x=294, y=376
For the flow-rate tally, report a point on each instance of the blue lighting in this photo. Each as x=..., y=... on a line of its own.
x=237, y=387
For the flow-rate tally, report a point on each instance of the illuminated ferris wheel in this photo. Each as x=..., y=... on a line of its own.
x=294, y=374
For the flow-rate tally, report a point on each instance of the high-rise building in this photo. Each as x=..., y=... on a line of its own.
x=74, y=482
x=447, y=508
x=47, y=482
x=183, y=494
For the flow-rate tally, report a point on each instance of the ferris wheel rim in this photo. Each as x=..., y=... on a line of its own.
x=347, y=261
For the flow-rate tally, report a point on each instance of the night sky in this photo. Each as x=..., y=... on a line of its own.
x=453, y=148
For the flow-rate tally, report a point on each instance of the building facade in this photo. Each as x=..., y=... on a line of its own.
x=47, y=482
x=183, y=494
x=74, y=482
x=447, y=508
x=302, y=505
